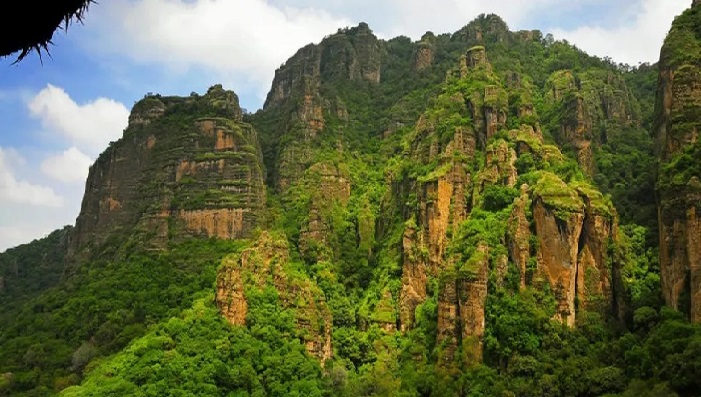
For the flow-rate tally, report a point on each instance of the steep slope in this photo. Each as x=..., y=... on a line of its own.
x=185, y=170
x=184, y=166
x=458, y=193
x=435, y=220
x=677, y=123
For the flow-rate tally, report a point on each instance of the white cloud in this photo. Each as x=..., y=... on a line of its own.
x=12, y=236
x=415, y=17
x=14, y=190
x=636, y=38
x=39, y=189
x=70, y=166
x=246, y=39
x=90, y=126
x=241, y=42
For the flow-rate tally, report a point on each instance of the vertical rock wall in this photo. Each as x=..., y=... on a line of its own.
x=677, y=125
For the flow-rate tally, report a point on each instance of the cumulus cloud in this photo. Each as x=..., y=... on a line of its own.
x=637, y=37
x=70, y=166
x=40, y=186
x=14, y=190
x=90, y=126
x=246, y=37
x=12, y=236
x=241, y=42
x=415, y=17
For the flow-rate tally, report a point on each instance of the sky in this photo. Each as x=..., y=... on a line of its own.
x=58, y=113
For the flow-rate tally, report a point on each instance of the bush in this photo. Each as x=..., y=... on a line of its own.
x=498, y=197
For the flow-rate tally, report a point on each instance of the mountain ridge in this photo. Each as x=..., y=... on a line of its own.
x=468, y=214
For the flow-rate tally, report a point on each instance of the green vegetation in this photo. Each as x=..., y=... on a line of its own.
x=106, y=303
x=30, y=269
x=415, y=183
x=209, y=357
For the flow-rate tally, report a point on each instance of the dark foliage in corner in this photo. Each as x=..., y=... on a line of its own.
x=36, y=35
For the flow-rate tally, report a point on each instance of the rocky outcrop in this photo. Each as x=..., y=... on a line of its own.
x=461, y=317
x=443, y=203
x=425, y=51
x=519, y=235
x=267, y=264
x=558, y=233
x=487, y=107
x=327, y=185
x=192, y=160
x=676, y=129
x=472, y=295
x=414, y=275
x=441, y=207
x=593, y=104
x=499, y=165
x=574, y=227
x=557, y=255
x=352, y=54
x=484, y=29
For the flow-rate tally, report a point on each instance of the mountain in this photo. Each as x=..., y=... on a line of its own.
x=471, y=214
x=676, y=130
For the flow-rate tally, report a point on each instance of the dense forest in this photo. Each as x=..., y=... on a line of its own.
x=482, y=213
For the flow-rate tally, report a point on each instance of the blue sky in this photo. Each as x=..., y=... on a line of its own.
x=57, y=116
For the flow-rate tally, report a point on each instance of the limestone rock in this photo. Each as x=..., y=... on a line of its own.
x=472, y=290
x=476, y=57
x=485, y=28
x=414, y=277
x=574, y=227
x=557, y=256
x=352, y=54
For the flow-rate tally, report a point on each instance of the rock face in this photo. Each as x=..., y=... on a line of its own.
x=593, y=104
x=677, y=126
x=353, y=55
x=557, y=233
x=267, y=264
x=188, y=160
x=425, y=53
x=574, y=227
x=328, y=185
x=485, y=28
x=518, y=236
x=443, y=203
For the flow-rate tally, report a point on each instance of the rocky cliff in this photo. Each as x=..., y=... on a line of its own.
x=267, y=264
x=470, y=224
x=308, y=112
x=593, y=105
x=432, y=214
x=184, y=166
x=486, y=204
x=676, y=130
